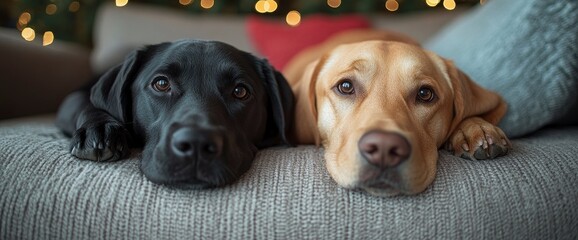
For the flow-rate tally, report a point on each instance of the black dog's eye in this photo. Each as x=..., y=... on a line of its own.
x=346, y=87
x=161, y=84
x=240, y=92
x=425, y=94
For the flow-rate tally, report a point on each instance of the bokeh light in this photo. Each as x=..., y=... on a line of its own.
x=207, y=4
x=24, y=18
x=334, y=3
x=272, y=6
x=48, y=38
x=28, y=34
x=185, y=2
x=391, y=5
x=266, y=6
x=432, y=3
x=74, y=6
x=450, y=4
x=293, y=18
x=51, y=9
x=121, y=3
x=260, y=6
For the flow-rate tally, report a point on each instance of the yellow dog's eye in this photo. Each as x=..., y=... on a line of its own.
x=161, y=84
x=346, y=88
x=425, y=94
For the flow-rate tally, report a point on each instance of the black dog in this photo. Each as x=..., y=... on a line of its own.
x=199, y=109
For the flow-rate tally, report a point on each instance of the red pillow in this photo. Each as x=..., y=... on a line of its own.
x=279, y=42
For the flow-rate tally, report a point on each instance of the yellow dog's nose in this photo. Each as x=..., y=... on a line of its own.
x=384, y=149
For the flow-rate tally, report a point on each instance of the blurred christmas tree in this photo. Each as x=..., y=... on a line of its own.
x=72, y=20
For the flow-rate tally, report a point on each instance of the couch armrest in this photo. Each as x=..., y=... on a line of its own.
x=35, y=79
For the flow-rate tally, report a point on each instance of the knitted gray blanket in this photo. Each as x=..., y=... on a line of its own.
x=45, y=193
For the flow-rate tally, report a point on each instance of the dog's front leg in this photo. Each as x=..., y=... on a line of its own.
x=96, y=135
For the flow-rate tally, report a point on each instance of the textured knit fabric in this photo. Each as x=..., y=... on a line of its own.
x=45, y=193
x=526, y=50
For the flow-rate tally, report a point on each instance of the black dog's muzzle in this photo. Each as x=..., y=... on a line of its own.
x=196, y=143
x=196, y=149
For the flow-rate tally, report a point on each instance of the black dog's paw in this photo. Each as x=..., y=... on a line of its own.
x=107, y=141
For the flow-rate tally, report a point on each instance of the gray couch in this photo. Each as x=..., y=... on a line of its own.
x=45, y=193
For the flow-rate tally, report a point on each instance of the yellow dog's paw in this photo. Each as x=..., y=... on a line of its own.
x=477, y=139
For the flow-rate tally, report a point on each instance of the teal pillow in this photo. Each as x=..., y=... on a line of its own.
x=526, y=50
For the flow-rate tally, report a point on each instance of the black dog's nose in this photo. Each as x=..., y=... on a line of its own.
x=384, y=149
x=189, y=142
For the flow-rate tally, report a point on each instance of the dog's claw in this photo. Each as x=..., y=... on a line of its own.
x=490, y=140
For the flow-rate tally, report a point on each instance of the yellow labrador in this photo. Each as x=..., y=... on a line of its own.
x=383, y=108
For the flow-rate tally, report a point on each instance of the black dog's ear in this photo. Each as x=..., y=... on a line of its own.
x=281, y=103
x=112, y=93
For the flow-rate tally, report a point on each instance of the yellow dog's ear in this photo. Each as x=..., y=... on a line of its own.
x=305, y=123
x=471, y=100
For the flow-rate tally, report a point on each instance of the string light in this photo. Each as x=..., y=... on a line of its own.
x=293, y=18
x=48, y=38
x=185, y=2
x=260, y=7
x=121, y=3
x=207, y=4
x=391, y=5
x=51, y=9
x=24, y=18
x=432, y=3
x=264, y=6
x=74, y=6
x=334, y=3
x=449, y=4
x=272, y=6
x=28, y=34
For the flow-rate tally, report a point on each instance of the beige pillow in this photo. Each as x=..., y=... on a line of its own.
x=118, y=30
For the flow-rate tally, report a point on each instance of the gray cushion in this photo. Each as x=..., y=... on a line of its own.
x=526, y=50
x=48, y=194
